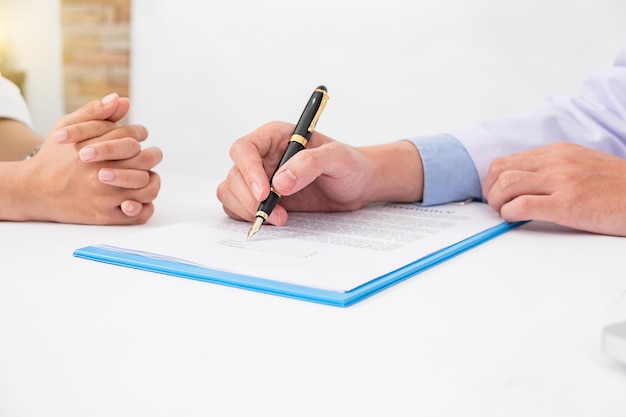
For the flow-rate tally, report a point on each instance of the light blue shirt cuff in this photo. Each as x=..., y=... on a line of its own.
x=449, y=172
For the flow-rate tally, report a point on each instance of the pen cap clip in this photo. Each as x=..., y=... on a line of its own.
x=318, y=113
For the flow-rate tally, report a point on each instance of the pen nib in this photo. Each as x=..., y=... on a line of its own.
x=256, y=226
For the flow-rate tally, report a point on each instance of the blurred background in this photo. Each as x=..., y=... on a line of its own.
x=202, y=73
x=63, y=53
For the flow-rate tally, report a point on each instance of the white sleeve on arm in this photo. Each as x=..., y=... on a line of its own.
x=12, y=104
x=595, y=118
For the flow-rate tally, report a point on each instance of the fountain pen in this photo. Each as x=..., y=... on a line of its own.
x=298, y=141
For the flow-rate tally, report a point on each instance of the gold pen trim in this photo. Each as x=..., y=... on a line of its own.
x=262, y=215
x=272, y=190
x=300, y=139
x=319, y=110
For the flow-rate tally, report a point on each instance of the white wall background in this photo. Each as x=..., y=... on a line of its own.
x=207, y=72
x=31, y=29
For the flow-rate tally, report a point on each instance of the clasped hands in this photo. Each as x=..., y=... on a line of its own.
x=91, y=170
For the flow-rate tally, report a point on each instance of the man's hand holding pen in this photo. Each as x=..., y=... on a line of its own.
x=298, y=141
x=328, y=176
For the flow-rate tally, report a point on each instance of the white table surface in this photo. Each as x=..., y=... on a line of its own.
x=511, y=328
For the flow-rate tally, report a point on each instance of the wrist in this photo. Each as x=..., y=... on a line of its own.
x=16, y=140
x=16, y=201
x=396, y=172
x=33, y=152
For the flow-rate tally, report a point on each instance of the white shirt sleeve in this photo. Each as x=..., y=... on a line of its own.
x=595, y=117
x=12, y=103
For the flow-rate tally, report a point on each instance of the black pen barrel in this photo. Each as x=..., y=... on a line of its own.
x=305, y=124
x=268, y=204
x=298, y=141
x=292, y=148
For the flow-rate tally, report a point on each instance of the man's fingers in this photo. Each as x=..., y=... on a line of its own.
x=531, y=207
x=510, y=185
x=308, y=165
x=257, y=155
x=250, y=166
x=242, y=205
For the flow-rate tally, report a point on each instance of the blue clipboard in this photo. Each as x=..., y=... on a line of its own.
x=323, y=296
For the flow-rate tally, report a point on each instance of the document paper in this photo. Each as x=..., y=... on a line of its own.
x=327, y=251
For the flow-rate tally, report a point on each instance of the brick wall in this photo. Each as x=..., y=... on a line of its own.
x=96, y=49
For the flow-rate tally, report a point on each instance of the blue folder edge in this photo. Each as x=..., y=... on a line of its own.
x=330, y=297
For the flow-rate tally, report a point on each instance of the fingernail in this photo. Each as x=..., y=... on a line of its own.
x=106, y=100
x=106, y=174
x=59, y=135
x=128, y=207
x=257, y=190
x=87, y=154
x=284, y=180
